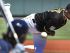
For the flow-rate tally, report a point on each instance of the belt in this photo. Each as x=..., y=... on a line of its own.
x=33, y=20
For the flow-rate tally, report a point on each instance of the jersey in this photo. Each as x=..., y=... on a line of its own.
x=5, y=46
x=32, y=26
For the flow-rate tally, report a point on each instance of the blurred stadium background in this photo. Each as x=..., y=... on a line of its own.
x=21, y=8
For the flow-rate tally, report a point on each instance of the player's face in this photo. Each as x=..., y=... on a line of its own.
x=67, y=14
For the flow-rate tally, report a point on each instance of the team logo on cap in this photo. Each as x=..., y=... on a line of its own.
x=19, y=25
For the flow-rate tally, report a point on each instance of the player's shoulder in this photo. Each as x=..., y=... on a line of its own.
x=2, y=41
x=57, y=10
x=32, y=15
x=4, y=46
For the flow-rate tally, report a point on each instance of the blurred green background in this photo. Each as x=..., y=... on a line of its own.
x=62, y=33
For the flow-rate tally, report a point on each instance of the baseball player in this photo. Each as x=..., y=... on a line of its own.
x=8, y=43
x=20, y=27
x=45, y=23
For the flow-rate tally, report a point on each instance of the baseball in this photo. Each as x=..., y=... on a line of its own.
x=44, y=34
